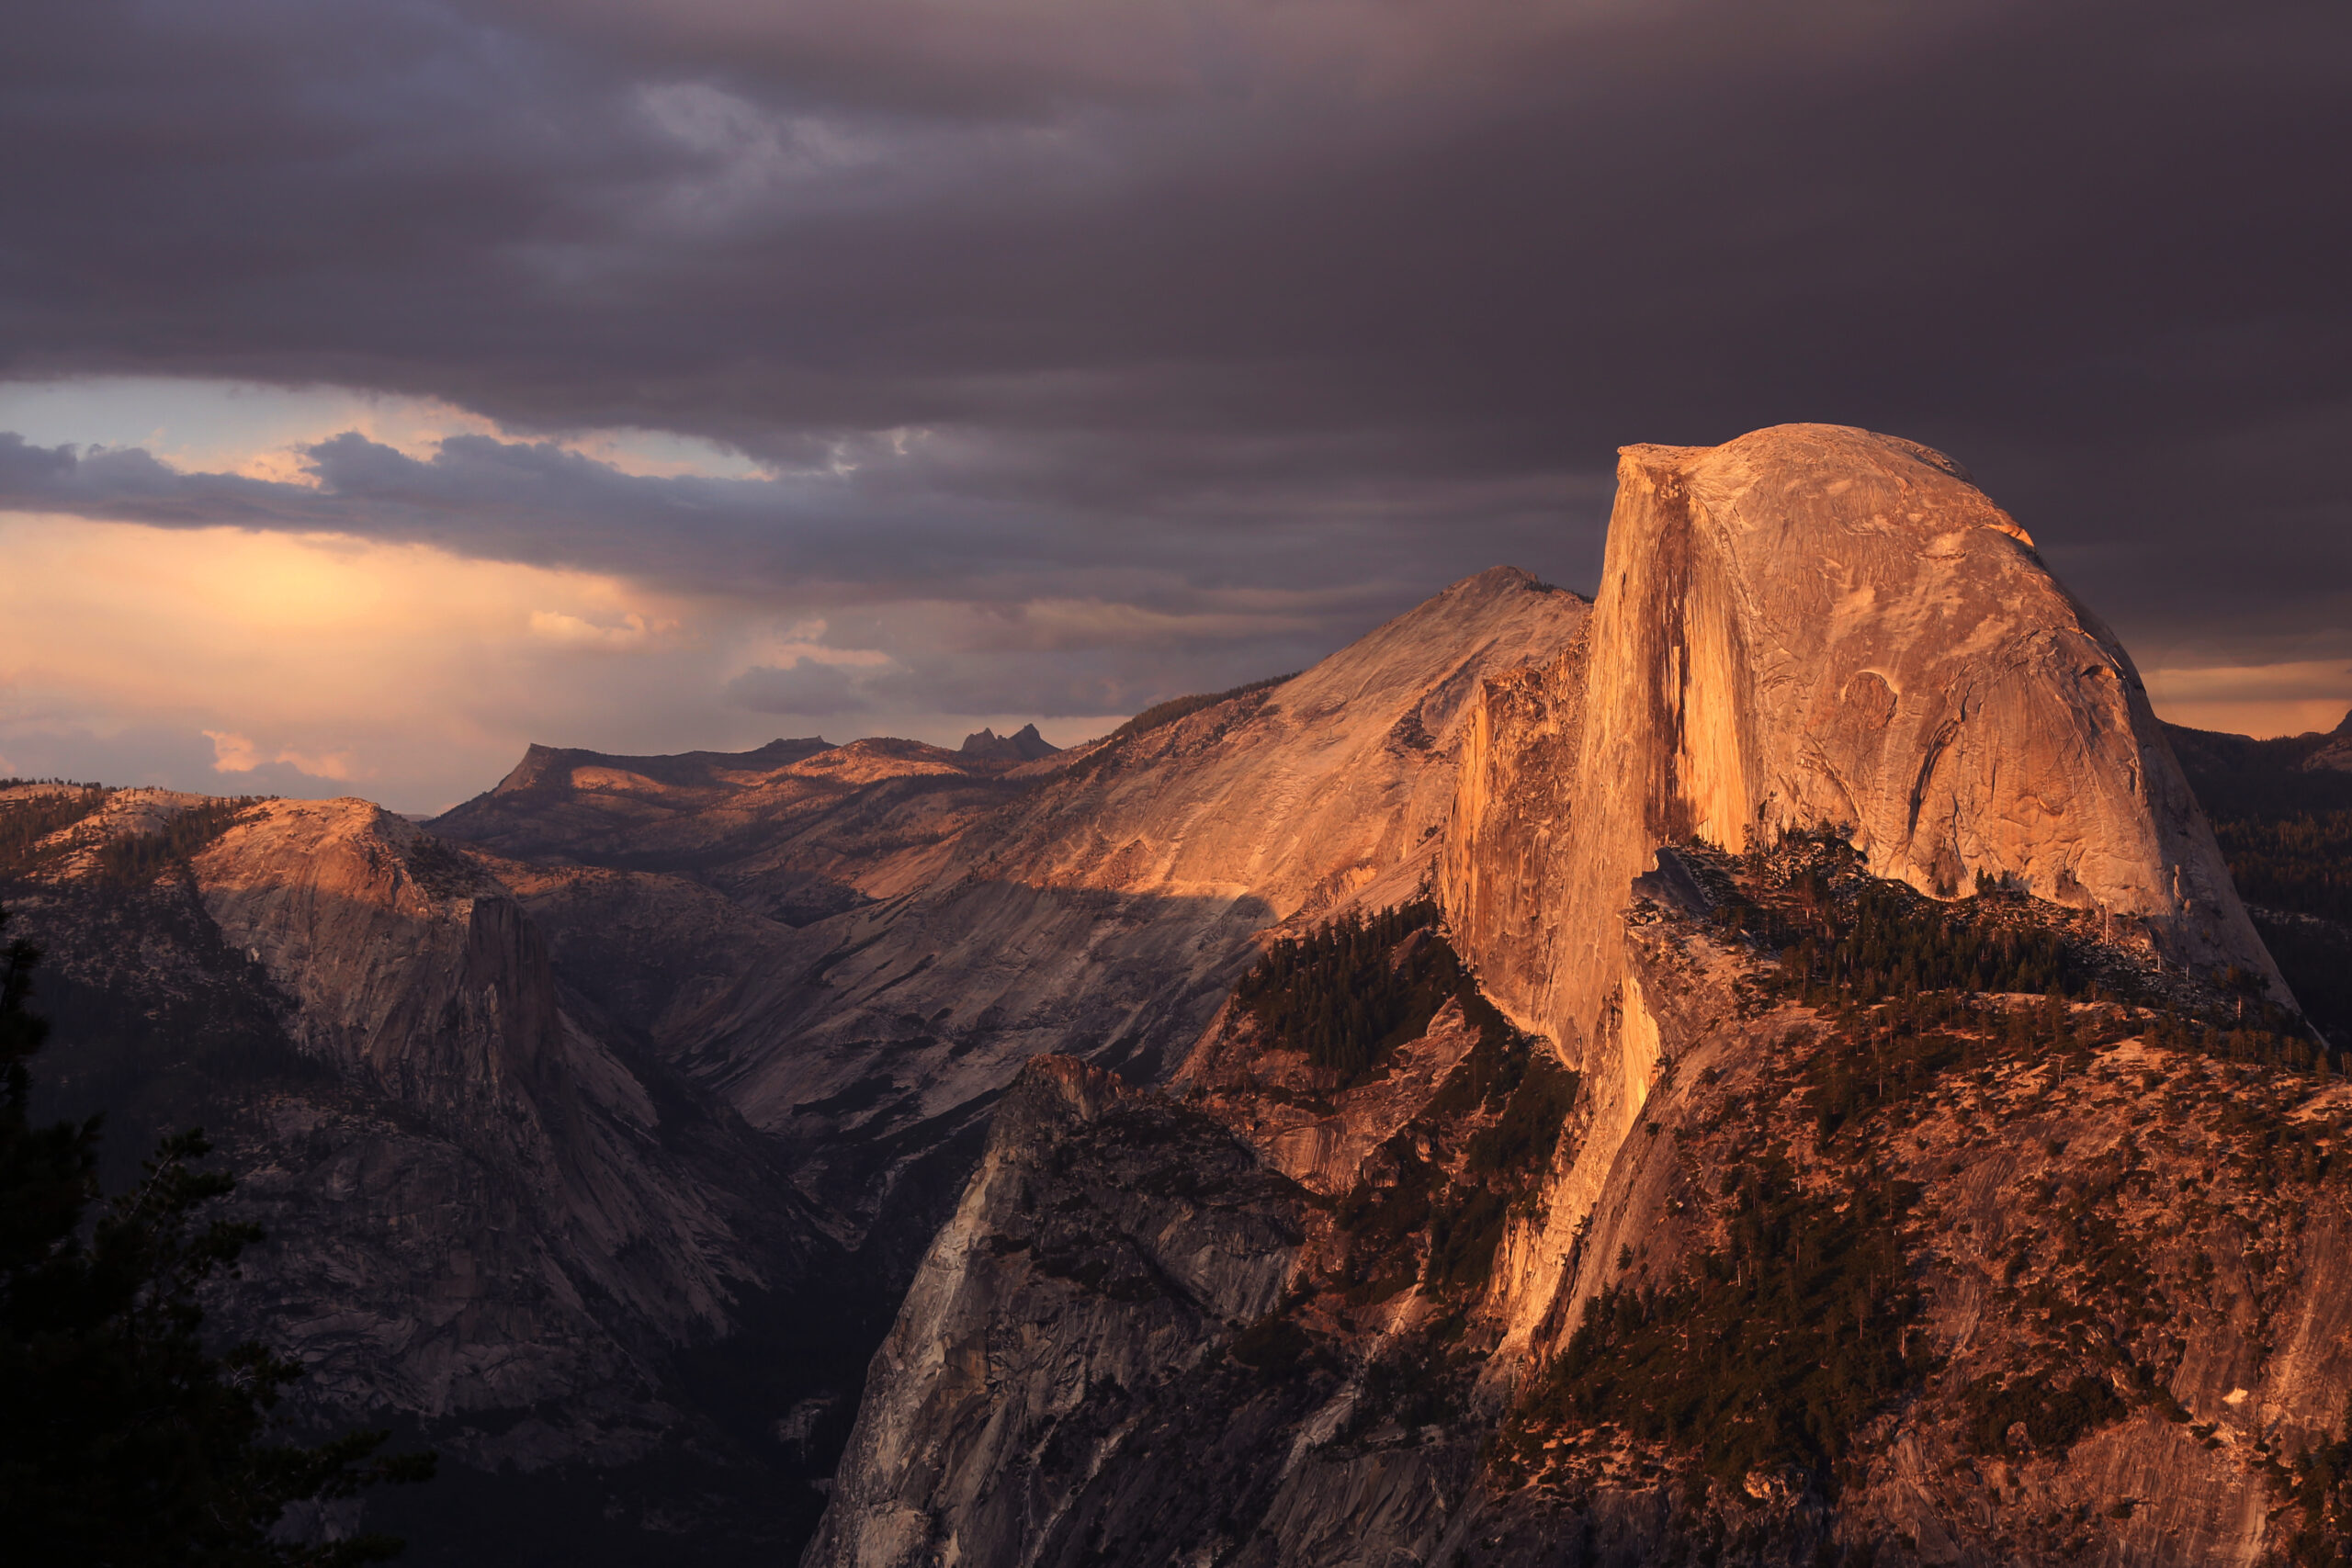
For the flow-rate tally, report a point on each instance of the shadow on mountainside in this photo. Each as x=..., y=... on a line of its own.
x=873, y=1046
x=2284, y=820
x=439, y=1277
x=786, y=841
x=415, y=1239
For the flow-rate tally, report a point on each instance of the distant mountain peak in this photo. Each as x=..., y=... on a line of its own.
x=1025, y=745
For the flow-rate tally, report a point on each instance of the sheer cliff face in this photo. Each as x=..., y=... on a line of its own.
x=431, y=987
x=1100, y=1253
x=1811, y=626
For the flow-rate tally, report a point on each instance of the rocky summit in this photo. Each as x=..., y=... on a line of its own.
x=1024, y=745
x=1784, y=1060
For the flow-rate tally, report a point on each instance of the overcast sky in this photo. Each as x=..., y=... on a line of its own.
x=387, y=383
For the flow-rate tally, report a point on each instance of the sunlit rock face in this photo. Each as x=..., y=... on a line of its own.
x=1104, y=911
x=1811, y=626
x=1814, y=625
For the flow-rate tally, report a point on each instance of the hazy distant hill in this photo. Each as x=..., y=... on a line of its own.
x=2282, y=810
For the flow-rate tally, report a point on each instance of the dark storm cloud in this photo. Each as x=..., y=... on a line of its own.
x=876, y=522
x=1177, y=300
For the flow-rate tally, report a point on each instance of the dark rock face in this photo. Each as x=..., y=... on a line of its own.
x=493, y=1221
x=1024, y=744
x=1067, y=1322
x=2282, y=810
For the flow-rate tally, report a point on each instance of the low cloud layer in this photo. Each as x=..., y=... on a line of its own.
x=1085, y=354
x=905, y=517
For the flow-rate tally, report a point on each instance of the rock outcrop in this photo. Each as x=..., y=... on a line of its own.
x=1024, y=745
x=1765, y=1067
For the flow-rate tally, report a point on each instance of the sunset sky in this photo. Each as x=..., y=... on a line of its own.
x=385, y=386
